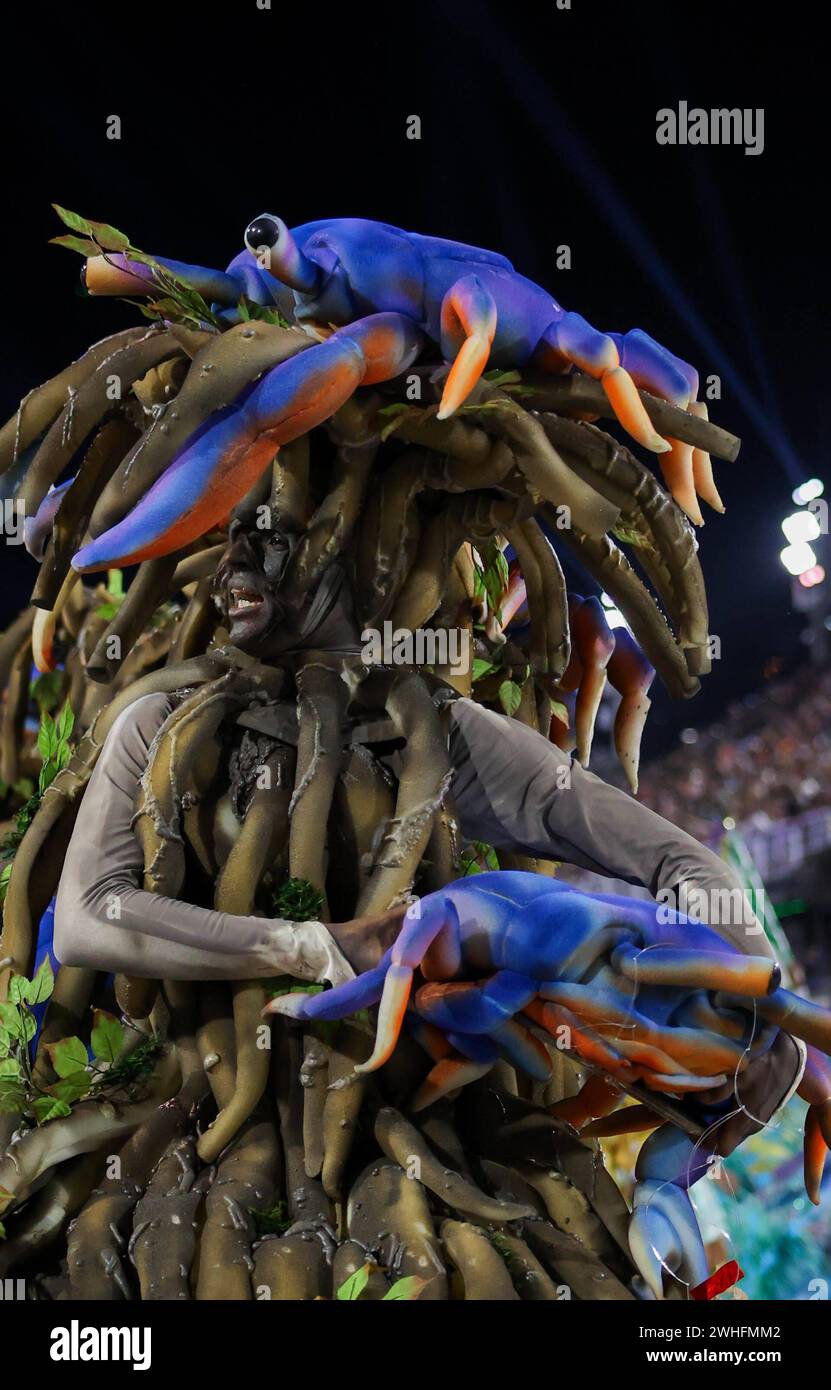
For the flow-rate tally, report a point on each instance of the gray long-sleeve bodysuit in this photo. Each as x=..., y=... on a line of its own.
x=511, y=787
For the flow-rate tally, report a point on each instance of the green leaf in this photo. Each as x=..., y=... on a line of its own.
x=71, y=1088
x=68, y=1056
x=17, y=989
x=30, y=1026
x=5, y=1042
x=46, y=690
x=66, y=722
x=10, y=1068
x=628, y=535
x=352, y=1288
x=73, y=220
x=81, y=244
x=40, y=988
x=404, y=1289
x=510, y=696
x=48, y=1108
x=107, y=238
x=5, y=875
x=48, y=773
x=12, y=1097
x=46, y=736
x=481, y=668
x=11, y=1018
x=106, y=610
x=115, y=583
x=107, y=1036
x=559, y=711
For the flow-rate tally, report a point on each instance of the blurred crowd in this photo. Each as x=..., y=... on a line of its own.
x=767, y=759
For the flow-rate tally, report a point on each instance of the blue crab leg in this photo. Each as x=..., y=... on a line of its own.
x=116, y=273
x=570, y=339
x=360, y=993
x=38, y=528
x=572, y=1033
x=664, y=1236
x=475, y=1006
x=604, y=1009
x=226, y=456
x=468, y=325
x=686, y=471
x=597, y=1097
x=663, y=1231
x=815, y=1087
x=487, y=1008
x=808, y=1021
x=466, y=1059
x=748, y=976
x=390, y=982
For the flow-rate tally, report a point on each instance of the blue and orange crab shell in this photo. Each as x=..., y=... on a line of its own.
x=638, y=992
x=374, y=298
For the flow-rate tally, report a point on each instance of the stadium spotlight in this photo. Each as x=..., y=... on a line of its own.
x=806, y=492
x=810, y=578
x=801, y=526
x=798, y=558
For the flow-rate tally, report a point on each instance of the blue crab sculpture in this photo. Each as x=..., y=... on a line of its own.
x=376, y=298
x=639, y=992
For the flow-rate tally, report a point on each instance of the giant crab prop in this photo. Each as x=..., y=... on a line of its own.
x=663, y=1002
x=411, y=408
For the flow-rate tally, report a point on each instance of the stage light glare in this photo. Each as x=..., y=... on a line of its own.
x=798, y=558
x=810, y=578
x=806, y=492
x=801, y=526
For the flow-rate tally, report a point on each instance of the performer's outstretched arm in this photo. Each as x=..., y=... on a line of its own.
x=105, y=921
x=515, y=789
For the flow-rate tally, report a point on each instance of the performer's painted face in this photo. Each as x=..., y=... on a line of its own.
x=247, y=589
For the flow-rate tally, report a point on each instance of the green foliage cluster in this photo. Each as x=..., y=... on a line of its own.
x=177, y=302
x=403, y=1290
x=273, y=1222
x=78, y=1074
x=477, y=858
x=115, y=596
x=490, y=574
x=55, y=751
x=297, y=900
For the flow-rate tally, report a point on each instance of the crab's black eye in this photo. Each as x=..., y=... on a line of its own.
x=263, y=231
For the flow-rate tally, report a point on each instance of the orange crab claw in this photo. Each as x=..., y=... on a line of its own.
x=815, y=1087
x=631, y=675
x=630, y=410
x=595, y=643
x=702, y=468
x=677, y=468
x=448, y=1075
x=468, y=325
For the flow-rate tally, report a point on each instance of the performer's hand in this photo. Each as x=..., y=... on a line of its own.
x=364, y=940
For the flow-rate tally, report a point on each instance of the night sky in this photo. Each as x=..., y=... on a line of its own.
x=538, y=129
